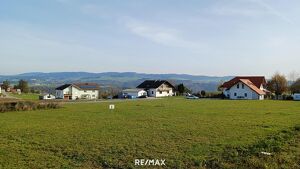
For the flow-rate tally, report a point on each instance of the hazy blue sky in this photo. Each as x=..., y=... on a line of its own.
x=212, y=37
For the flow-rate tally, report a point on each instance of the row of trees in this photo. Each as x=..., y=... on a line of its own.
x=22, y=85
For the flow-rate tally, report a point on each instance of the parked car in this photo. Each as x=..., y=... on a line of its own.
x=192, y=97
x=296, y=96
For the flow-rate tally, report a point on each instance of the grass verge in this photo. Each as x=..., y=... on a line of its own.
x=283, y=148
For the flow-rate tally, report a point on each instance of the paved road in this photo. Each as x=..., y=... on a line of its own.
x=108, y=101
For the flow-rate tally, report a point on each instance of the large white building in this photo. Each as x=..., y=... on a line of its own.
x=245, y=87
x=157, y=88
x=78, y=91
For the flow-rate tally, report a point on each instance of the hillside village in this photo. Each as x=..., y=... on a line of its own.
x=238, y=88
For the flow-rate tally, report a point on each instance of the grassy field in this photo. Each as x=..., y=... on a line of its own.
x=26, y=96
x=187, y=133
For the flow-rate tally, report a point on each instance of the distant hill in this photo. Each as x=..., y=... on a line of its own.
x=117, y=79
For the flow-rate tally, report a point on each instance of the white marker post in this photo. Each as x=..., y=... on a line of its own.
x=111, y=107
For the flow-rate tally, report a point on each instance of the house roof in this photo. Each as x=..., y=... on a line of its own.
x=63, y=87
x=132, y=90
x=46, y=94
x=252, y=86
x=81, y=86
x=150, y=84
x=256, y=80
x=87, y=86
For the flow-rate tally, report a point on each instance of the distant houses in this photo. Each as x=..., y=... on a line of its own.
x=133, y=93
x=245, y=87
x=77, y=91
x=157, y=88
x=46, y=96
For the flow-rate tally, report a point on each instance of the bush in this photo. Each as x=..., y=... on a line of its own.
x=27, y=106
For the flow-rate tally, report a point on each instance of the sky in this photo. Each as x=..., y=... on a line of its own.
x=207, y=37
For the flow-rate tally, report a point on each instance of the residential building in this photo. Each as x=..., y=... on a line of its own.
x=245, y=87
x=78, y=91
x=157, y=88
x=135, y=93
x=46, y=96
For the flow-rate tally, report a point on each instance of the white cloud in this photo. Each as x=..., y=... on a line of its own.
x=161, y=35
x=248, y=8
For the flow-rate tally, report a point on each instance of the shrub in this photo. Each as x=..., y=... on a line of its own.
x=27, y=106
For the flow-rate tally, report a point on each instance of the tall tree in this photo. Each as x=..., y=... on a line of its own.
x=203, y=93
x=5, y=85
x=182, y=89
x=295, y=87
x=278, y=84
x=23, y=85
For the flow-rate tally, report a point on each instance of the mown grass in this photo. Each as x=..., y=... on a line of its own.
x=187, y=133
x=26, y=96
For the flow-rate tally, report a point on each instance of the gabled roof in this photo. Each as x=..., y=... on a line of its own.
x=80, y=86
x=256, y=80
x=252, y=86
x=132, y=90
x=153, y=84
x=63, y=87
x=87, y=86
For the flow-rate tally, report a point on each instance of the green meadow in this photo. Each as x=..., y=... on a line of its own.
x=26, y=96
x=186, y=133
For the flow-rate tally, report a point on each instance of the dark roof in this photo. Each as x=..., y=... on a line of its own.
x=87, y=86
x=81, y=86
x=150, y=84
x=63, y=87
x=256, y=80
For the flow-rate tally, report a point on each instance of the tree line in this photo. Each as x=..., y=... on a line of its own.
x=22, y=85
x=278, y=84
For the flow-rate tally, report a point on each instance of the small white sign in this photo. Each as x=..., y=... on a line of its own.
x=111, y=106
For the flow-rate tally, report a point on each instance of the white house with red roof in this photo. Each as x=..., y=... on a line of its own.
x=245, y=87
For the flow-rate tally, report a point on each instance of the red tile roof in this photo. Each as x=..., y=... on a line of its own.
x=252, y=86
x=256, y=80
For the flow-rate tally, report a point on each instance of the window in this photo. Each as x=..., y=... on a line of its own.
x=238, y=86
x=93, y=95
x=93, y=91
x=160, y=92
x=243, y=86
x=152, y=92
x=234, y=94
x=85, y=91
x=168, y=91
x=246, y=95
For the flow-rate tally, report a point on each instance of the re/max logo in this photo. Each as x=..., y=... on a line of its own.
x=150, y=162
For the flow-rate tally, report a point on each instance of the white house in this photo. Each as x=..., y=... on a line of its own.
x=78, y=91
x=0, y=89
x=46, y=97
x=157, y=88
x=134, y=92
x=245, y=87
